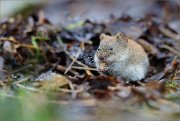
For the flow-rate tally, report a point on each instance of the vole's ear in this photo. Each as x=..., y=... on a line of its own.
x=102, y=36
x=122, y=37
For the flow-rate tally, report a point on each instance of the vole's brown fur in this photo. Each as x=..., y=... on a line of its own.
x=120, y=56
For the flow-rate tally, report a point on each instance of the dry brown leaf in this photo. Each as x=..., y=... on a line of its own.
x=52, y=81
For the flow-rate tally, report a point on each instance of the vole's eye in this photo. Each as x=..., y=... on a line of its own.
x=98, y=49
x=110, y=48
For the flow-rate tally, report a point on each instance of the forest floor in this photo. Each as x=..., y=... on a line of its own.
x=47, y=71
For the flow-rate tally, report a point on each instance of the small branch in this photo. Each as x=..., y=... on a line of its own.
x=27, y=46
x=83, y=68
x=75, y=60
x=168, y=33
x=171, y=49
x=63, y=69
x=148, y=46
x=78, y=62
x=13, y=40
x=22, y=80
x=70, y=91
x=22, y=68
x=71, y=57
x=28, y=88
x=54, y=65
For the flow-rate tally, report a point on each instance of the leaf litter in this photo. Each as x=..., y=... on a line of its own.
x=61, y=59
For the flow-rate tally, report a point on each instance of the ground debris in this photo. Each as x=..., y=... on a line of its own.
x=62, y=58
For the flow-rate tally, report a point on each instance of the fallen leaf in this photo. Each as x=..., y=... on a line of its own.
x=52, y=81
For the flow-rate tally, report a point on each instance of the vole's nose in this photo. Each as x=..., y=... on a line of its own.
x=101, y=58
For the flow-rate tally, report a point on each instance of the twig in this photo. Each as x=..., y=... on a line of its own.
x=171, y=49
x=28, y=88
x=62, y=68
x=168, y=33
x=69, y=67
x=71, y=57
x=54, y=65
x=27, y=46
x=69, y=91
x=20, y=69
x=72, y=78
x=82, y=46
x=83, y=68
x=67, y=53
x=148, y=46
x=22, y=80
x=78, y=62
x=11, y=39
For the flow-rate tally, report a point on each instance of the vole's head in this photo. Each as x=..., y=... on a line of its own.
x=112, y=47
